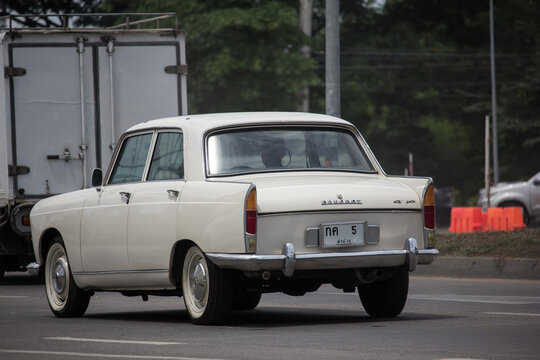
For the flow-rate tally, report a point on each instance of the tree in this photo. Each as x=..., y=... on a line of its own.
x=14, y=7
x=418, y=81
x=415, y=74
x=242, y=55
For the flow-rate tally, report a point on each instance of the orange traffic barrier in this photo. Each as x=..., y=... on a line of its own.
x=456, y=220
x=464, y=220
x=495, y=219
x=471, y=219
x=513, y=218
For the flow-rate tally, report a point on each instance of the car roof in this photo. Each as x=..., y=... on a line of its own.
x=204, y=122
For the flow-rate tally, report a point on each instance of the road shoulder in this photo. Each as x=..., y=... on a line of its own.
x=482, y=267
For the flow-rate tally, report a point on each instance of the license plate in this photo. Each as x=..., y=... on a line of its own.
x=342, y=234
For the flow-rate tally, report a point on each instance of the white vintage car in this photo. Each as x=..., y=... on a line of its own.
x=222, y=208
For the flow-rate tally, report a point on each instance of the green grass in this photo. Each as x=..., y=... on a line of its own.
x=523, y=243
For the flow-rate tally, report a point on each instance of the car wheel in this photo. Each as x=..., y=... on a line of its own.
x=64, y=296
x=386, y=298
x=246, y=301
x=206, y=289
x=523, y=210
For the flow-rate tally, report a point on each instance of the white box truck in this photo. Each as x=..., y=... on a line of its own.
x=66, y=96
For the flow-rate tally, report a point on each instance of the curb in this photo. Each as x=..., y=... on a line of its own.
x=481, y=267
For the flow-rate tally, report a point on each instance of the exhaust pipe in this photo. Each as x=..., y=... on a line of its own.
x=265, y=275
x=369, y=276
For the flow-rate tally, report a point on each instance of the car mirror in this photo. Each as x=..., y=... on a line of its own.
x=97, y=177
x=536, y=182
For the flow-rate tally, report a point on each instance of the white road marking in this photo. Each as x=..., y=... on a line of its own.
x=109, y=356
x=159, y=343
x=12, y=296
x=506, y=300
x=512, y=314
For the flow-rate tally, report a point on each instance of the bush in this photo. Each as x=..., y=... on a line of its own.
x=523, y=243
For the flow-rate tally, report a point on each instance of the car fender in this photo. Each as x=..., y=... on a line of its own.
x=418, y=184
x=61, y=213
x=211, y=214
x=512, y=195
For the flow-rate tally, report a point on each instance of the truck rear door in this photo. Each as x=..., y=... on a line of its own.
x=79, y=93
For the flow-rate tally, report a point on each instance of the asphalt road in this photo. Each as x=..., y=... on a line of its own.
x=443, y=319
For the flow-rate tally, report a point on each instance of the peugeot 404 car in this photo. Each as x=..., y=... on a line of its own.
x=222, y=208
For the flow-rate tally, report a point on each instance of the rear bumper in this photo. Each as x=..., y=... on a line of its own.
x=288, y=261
x=33, y=268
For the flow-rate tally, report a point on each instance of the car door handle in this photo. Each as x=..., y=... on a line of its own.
x=125, y=195
x=173, y=193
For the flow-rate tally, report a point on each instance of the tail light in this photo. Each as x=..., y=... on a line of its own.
x=429, y=216
x=251, y=221
x=429, y=207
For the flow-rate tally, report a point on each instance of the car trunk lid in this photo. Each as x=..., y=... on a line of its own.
x=330, y=192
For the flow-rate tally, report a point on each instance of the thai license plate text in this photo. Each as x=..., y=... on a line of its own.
x=342, y=234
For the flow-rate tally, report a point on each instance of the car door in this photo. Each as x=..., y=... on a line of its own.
x=105, y=217
x=153, y=208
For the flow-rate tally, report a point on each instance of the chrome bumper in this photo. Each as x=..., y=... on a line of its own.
x=33, y=268
x=288, y=261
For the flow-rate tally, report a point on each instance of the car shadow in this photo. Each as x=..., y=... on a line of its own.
x=284, y=317
x=157, y=316
x=268, y=317
x=19, y=278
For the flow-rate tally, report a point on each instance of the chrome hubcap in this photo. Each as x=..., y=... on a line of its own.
x=198, y=282
x=195, y=282
x=59, y=277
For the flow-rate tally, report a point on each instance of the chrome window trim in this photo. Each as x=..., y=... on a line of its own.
x=116, y=153
x=151, y=149
x=158, y=131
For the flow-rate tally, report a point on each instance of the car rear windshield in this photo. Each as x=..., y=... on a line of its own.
x=280, y=149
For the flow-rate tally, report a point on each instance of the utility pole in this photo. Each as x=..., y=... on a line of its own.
x=493, y=95
x=485, y=206
x=305, y=13
x=333, y=93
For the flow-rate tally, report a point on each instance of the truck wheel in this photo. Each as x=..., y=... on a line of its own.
x=64, y=296
x=246, y=301
x=386, y=298
x=206, y=289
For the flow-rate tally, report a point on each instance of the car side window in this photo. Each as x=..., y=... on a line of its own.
x=168, y=158
x=130, y=163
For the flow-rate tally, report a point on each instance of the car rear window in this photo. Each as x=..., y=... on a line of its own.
x=281, y=149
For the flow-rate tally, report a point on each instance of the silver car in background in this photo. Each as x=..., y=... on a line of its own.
x=525, y=194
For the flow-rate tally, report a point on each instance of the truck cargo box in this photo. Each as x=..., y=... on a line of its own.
x=66, y=97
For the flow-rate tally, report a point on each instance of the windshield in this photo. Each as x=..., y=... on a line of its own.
x=278, y=149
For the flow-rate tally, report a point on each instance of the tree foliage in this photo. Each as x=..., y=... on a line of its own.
x=13, y=7
x=415, y=73
x=417, y=79
x=242, y=55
